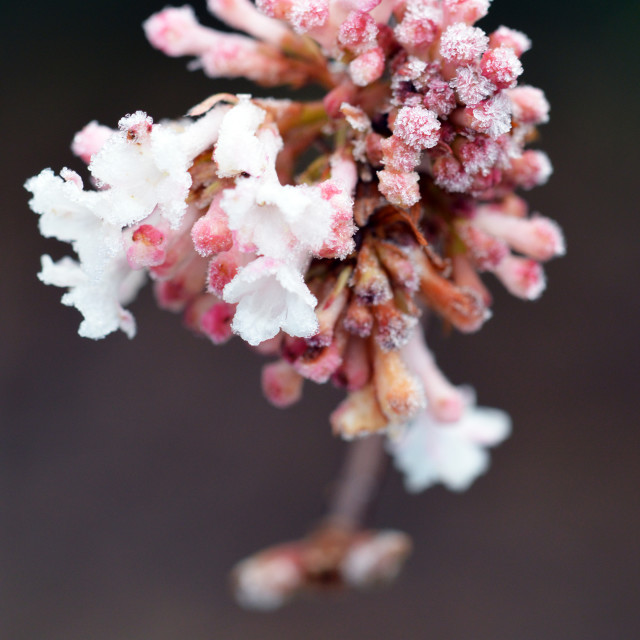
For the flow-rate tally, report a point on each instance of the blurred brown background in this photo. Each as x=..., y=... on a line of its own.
x=134, y=474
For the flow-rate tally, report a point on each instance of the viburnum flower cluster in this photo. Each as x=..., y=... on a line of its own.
x=322, y=232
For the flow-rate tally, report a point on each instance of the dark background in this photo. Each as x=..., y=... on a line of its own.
x=135, y=473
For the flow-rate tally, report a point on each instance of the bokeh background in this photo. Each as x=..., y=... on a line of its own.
x=135, y=473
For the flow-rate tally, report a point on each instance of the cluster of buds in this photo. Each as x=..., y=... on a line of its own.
x=324, y=263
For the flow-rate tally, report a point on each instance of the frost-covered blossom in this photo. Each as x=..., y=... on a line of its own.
x=324, y=233
x=454, y=454
x=271, y=296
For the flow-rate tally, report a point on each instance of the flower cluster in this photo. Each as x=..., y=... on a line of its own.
x=327, y=262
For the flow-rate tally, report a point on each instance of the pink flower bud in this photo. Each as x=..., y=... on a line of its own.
x=450, y=175
x=358, y=32
x=367, y=67
x=538, y=237
x=529, y=105
x=176, y=32
x=471, y=86
x=89, y=140
x=399, y=156
x=222, y=270
x=501, y=66
x=468, y=11
x=211, y=233
x=462, y=44
x=399, y=188
x=145, y=246
x=533, y=168
x=418, y=127
x=320, y=363
x=416, y=33
x=440, y=98
x=281, y=384
x=216, y=322
x=505, y=37
x=485, y=250
x=522, y=277
x=392, y=327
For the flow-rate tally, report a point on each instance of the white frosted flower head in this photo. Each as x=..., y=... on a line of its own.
x=429, y=451
x=271, y=295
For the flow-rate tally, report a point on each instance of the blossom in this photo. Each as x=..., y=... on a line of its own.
x=454, y=454
x=271, y=296
x=325, y=233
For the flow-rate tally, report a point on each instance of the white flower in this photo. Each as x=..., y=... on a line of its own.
x=429, y=451
x=99, y=300
x=271, y=295
x=146, y=165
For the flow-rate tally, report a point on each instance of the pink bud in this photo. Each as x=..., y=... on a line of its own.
x=538, y=238
x=501, y=66
x=529, y=105
x=485, y=250
x=355, y=370
x=533, y=168
x=522, y=277
x=175, y=31
x=216, y=322
x=89, y=140
x=399, y=188
x=461, y=43
x=399, y=156
x=281, y=384
x=450, y=175
x=440, y=98
x=468, y=11
x=417, y=33
x=145, y=247
x=222, y=270
x=418, y=127
x=211, y=233
x=505, y=37
x=358, y=32
x=367, y=67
